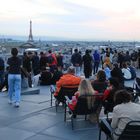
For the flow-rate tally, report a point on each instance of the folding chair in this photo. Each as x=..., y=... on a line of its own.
x=131, y=132
x=82, y=108
x=68, y=90
x=134, y=93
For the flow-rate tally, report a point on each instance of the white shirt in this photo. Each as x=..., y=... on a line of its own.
x=122, y=114
x=127, y=73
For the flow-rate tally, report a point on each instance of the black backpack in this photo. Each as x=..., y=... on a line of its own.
x=50, y=59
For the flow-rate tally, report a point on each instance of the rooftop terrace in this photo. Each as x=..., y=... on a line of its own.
x=35, y=119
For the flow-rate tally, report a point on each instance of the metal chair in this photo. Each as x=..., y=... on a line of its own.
x=83, y=108
x=67, y=90
x=131, y=132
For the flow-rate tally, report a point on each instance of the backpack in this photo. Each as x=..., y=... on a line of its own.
x=96, y=57
x=133, y=72
x=50, y=59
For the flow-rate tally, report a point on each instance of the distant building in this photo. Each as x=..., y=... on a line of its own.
x=27, y=45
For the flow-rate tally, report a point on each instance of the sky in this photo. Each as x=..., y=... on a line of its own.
x=72, y=19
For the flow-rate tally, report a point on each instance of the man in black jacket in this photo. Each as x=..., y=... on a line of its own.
x=76, y=60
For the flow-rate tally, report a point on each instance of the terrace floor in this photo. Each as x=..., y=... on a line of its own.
x=35, y=119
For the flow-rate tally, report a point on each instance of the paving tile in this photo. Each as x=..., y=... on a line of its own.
x=36, y=123
x=24, y=109
x=35, y=98
x=43, y=137
x=14, y=134
x=4, y=121
x=63, y=130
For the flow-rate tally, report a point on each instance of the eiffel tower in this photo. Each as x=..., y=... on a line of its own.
x=30, y=39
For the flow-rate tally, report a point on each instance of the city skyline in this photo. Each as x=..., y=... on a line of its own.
x=75, y=20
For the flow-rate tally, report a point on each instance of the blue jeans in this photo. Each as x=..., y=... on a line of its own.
x=77, y=70
x=95, y=67
x=14, y=84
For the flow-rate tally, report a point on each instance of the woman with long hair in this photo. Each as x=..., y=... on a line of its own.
x=85, y=88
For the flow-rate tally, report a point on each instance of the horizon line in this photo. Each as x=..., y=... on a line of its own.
x=57, y=38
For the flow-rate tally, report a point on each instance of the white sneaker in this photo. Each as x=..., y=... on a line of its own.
x=17, y=104
x=10, y=102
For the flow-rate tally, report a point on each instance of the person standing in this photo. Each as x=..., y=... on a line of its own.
x=1, y=71
x=134, y=57
x=76, y=60
x=27, y=66
x=43, y=60
x=35, y=63
x=116, y=72
x=87, y=61
x=96, y=59
x=60, y=61
x=14, y=78
x=51, y=60
x=139, y=59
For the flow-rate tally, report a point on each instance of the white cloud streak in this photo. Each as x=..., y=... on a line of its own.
x=100, y=19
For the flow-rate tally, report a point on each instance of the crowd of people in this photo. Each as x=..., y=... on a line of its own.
x=21, y=72
x=50, y=66
x=109, y=81
x=105, y=59
x=104, y=72
x=115, y=98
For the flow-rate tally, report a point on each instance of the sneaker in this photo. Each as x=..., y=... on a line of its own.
x=17, y=104
x=10, y=102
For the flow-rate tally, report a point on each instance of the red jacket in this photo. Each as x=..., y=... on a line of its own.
x=54, y=61
x=74, y=100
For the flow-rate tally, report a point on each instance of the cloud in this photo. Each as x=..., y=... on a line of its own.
x=72, y=18
x=30, y=9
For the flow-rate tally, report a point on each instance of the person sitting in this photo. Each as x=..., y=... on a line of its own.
x=56, y=75
x=46, y=76
x=100, y=84
x=68, y=79
x=126, y=72
x=85, y=88
x=132, y=71
x=108, y=102
x=137, y=84
x=124, y=112
x=107, y=71
x=117, y=73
